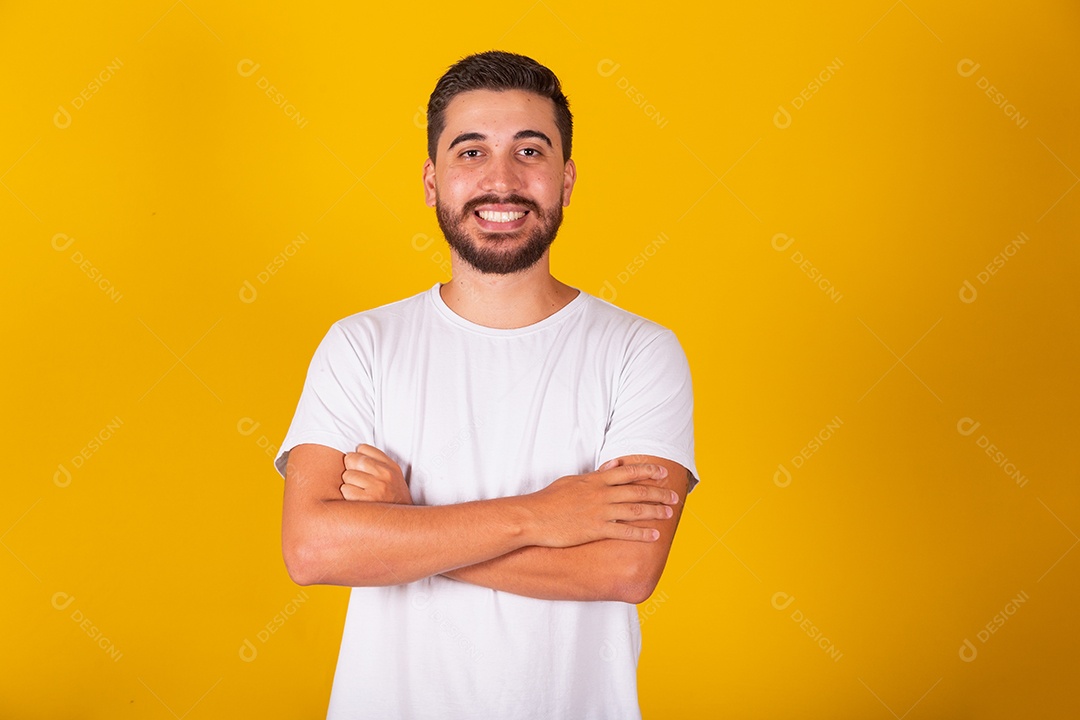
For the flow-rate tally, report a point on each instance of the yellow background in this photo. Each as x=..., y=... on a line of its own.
x=898, y=538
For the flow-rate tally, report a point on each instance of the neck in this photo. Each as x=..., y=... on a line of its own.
x=505, y=301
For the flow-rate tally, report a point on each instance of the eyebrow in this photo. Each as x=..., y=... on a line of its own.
x=533, y=134
x=466, y=137
x=519, y=135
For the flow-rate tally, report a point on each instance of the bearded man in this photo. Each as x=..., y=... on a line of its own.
x=497, y=465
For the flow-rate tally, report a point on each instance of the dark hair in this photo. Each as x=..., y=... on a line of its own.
x=496, y=70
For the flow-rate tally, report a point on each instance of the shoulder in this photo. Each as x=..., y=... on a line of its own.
x=384, y=317
x=359, y=333
x=390, y=312
x=605, y=320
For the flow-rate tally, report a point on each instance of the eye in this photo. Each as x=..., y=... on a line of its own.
x=470, y=153
x=530, y=152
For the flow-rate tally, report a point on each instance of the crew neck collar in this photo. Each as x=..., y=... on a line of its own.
x=571, y=308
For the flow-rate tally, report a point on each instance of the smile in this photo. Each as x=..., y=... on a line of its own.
x=499, y=217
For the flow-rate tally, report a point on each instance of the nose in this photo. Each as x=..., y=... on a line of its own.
x=501, y=175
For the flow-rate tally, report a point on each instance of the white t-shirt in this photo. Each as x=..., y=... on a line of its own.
x=472, y=413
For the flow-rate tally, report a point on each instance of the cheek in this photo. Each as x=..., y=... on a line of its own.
x=547, y=184
x=452, y=189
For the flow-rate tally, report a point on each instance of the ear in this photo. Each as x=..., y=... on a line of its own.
x=429, y=182
x=569, y=178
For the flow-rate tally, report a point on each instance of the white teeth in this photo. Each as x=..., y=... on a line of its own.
x=500, y=217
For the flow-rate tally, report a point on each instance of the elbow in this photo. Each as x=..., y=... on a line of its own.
x=635, y=592
x=300, y=561
x=311, y=562
x=297, y=568
x=300, y=574
x=635, y=582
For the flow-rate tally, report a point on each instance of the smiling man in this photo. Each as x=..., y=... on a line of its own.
x=497, y=465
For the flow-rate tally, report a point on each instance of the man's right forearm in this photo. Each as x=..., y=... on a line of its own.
x=370, y=544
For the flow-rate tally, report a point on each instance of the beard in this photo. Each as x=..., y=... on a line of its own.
x=499, y=253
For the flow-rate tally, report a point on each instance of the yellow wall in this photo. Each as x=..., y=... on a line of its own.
x=863, y=253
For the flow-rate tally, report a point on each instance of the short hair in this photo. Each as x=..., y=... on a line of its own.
x=497, y=70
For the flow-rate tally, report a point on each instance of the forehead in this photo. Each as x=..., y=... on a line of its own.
x=497, y=112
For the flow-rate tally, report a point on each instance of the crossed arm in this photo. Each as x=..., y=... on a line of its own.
x=605, y=535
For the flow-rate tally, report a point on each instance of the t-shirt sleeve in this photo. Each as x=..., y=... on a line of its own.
x=337, y=404
x=654, y=406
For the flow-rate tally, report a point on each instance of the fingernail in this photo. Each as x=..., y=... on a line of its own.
x=674, y=497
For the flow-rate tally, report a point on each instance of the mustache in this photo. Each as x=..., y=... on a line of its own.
x=471, y=206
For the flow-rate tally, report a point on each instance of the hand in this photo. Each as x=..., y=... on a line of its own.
x=577, y=509
x=371, y=476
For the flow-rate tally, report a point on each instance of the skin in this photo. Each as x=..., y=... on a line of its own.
x=598, y=570
x=502, y=166
x=328, y=539
x=348, y=519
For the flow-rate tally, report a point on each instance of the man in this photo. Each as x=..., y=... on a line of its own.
x=497, y=465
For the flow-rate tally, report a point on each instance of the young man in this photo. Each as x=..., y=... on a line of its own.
x=497, y=465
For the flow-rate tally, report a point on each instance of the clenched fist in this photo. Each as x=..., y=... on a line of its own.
x=371, y=476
